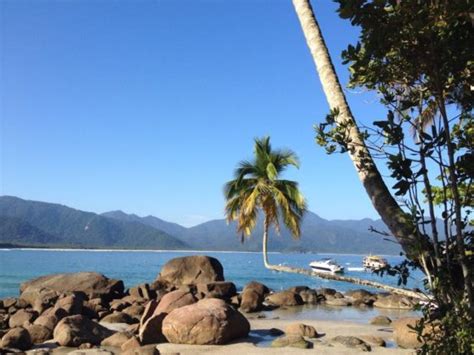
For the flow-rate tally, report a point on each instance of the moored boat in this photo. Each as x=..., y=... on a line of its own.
x=375, y=262
x=326, y=265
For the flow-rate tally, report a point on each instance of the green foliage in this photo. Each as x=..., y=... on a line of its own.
x=257, y=186
x=418, y=56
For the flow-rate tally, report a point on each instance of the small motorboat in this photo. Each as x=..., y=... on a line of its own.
x=375, y=262
x=326, y=265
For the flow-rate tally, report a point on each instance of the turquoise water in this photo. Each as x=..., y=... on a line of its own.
x=134, y=267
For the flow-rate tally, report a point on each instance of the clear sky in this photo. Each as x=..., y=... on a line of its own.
x=148, y=105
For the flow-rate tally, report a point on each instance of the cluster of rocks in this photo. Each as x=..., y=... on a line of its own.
x=189, y=303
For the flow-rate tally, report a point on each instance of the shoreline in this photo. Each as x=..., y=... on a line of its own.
x=178, y=251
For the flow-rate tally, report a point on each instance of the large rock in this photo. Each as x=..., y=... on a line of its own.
x=151, y=323
x=219, y=289
x=117, y=339
x=77, y=330
x=394, y=301
x=309, y=296
x=72, y=303
x=17, y=338
x=191, y=270
x=284, y=298
x=301, y=329
x=91, y=283
x=338, y=302
x=119, y=317
x=51, y=317
x=209, y=321
x=39, y=298
x=359, y=294
x=38, y=333
x=21, y=317
x=252, y=297
x=403, y=333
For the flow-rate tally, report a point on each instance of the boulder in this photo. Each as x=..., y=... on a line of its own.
x=352, y=342
x=191, y=270
x=301, y=329
x=91, y=284
x=17, y=338
x=251, y=301
x=39, y=333
x=381, y=320
x=209, y=321
x=142, y=291
x=8, y=302
x=72, y=304
x=39, y=298
x=338, y=302
x=76, y=330
x=403, y=333
x=119, y=305
x=119, y=317
x=130, y=344
x=174, y=300
x=359, y=294
x=284, y=298
x=309, y=296
x=95, y=351
x=151, y=322
x=294, y=341
x=117, y=339
x=22, y=316
x=394, y=301
x=134, y=311
x=327, y=291
x=218, y=289
x=51, y=317
x=252, y=297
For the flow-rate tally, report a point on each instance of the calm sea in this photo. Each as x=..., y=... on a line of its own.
x=135, y=267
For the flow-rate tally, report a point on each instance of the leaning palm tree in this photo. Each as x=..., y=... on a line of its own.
x=258, y=187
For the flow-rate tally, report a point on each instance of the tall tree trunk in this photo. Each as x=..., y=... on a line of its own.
x=399, y=224
x=265, y=243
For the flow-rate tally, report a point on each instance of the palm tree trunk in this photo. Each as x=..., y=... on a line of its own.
x=265, y=243
x=399, y=224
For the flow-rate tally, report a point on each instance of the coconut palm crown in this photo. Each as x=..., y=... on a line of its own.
x=257, y=186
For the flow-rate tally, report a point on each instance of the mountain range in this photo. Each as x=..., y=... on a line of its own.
x=41, y=224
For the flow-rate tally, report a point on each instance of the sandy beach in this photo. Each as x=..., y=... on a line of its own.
x=322, y=345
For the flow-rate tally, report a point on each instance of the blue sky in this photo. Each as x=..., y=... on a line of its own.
x=148, y=105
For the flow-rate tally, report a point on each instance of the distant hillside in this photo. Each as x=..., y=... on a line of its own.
x=318, y=235
x=155, y=222
x=48, y=224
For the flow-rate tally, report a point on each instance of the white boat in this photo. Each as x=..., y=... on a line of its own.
x=374, y=262
x=326, y=265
